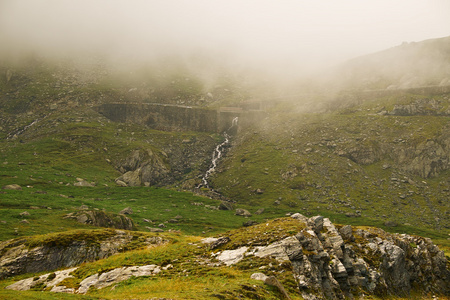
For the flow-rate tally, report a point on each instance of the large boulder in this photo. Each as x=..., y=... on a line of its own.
x=102, y=219
x=141, y=167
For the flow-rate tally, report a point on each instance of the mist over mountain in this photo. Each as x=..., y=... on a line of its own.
x=415, y=64
x=196, y=149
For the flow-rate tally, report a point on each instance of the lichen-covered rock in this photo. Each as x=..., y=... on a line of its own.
x=62, y=250
x=102, y=219
x=51, y=280
x=12, y=187
x=242, y=212
x=334, y=263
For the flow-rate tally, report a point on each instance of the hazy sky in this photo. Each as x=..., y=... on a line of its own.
x=284, y=33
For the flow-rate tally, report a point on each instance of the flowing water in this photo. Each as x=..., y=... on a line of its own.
x=217, y=154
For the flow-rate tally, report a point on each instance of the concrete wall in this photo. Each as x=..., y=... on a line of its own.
x=177, y=118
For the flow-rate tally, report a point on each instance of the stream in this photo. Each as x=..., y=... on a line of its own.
x=217, y=154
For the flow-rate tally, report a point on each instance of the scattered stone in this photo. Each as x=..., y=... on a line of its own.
x=259, y=191
x=25, y=221
x=273, y=281
x=82, y=182
x=208, y=240
x=225, y=206
x=259, y=276
x=162, y=225
x=249, y=223
x=300, y=217
x=147, y=220
x=126, y=211
x=154, y=229
x=218, y=242
x=15, y=187
x=115, y=276
x=242, y=212
x=121, y=183
x=390, y=224
x=102, y=219
x=83, y=207
x=24, y=214
x=231, y=257
x=259, y=211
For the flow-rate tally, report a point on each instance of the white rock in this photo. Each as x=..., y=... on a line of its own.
x=258, y=276
x=209, y=240
x=277, y=250
x=231, y=257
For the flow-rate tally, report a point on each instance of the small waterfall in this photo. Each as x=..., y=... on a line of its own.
x=20, y=131
x=217, y=154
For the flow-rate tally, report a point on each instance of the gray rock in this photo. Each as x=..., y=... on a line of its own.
x=17, y=259
x=242, y=212
x=143, y=166
x=347, y=233
x=83, y=183
x=259, y=276
x=102, y=219
x=231, y=257
x=24, y=214
x=225, y=206
x=278, y=250
x=154, y=229
x=126, y=211
x=259, y=211
x=273, y=281
x=300, y=217
x=249, y=223
x=121, y=183
x=390, y=224
x=219, y=242
x=316, y=223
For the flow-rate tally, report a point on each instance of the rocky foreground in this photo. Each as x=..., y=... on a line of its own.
x=325, y=260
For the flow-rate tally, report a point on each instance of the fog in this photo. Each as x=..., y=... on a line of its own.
x=289, y=37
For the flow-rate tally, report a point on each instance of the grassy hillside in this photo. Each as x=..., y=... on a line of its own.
x=353, y=165
x=357, y=164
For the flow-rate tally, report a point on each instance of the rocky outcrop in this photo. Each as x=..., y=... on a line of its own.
x=310, y=256
x=427, y=158
x=102, y=219
x=422, y=107
x=143, y=167
x=334, y=263
x=62, y=250
x=52, y=280
x=430, y=158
